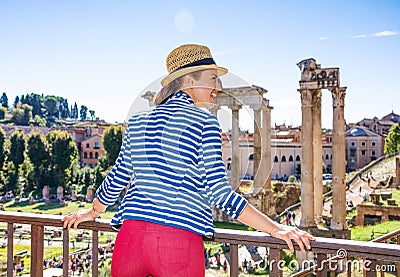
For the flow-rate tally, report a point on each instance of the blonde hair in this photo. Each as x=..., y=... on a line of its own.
x=166, y=92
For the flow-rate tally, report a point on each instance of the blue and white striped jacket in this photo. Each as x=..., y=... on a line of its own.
x=171, y=157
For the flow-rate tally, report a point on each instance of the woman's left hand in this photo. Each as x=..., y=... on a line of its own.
x=75, y=218
x=288, y=233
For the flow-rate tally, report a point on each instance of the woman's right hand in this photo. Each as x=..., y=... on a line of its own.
x=77, y=217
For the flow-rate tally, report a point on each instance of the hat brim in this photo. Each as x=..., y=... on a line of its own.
x=184, y=71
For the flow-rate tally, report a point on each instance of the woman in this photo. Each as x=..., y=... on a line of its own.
x=171, y=158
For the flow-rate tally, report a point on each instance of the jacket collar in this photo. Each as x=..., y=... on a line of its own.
x=181, y=97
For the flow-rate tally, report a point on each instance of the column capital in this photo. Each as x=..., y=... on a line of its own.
x=338, y=95
x=306, y=97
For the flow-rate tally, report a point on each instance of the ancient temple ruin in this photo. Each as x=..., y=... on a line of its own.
x=313, y=80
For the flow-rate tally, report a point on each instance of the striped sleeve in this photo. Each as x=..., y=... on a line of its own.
x=118, y=177
x=219, y=191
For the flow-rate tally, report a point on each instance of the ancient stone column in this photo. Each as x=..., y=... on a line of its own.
x=60, y=192
x=46, y=192
x=307, y=164
x=235, y=162
x=338, y=161
x=257, y=170
x=266, y=146
x=317, y=153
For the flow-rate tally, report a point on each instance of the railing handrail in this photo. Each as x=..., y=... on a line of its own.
x=362, y=249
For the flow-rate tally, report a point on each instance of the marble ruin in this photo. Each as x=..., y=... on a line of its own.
x=313, y=80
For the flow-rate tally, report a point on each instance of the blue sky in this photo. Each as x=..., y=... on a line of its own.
x=104, y=53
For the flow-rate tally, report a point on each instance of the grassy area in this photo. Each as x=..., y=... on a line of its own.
x=366, y=233
x=55, y=208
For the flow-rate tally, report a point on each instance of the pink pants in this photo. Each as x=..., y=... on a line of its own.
x=147, y=249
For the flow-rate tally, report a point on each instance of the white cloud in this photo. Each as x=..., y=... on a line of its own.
x=385, y=34
x=378, y=34
x=323, y=38
x=360, y=36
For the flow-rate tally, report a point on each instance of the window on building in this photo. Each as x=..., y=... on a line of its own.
x=297, y=158
x=251, y=157
x=363, y=152
x=283, y=158
x=228, y=166
x=87, y=145
x=90, y=155
x=96, y=155
x=352, y=152
x=353, y=143
x=290, y=158
x=84, y=155
x=373, y=153
x=97, y=144
x=363, y=143
x=327, y=157
x=276, y=159
x=373, y=143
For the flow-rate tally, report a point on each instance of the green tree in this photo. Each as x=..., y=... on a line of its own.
x=98, y=177
x=17, y=116
x=86, y=178
x=392, y=141
x=2, y=147
x=16, y=101
x=83, y=112
x=38, y=153
x=4, y=100
x=27, y=114
x=92, y=114
x=17, y=148
x=36, y=103
x=11, y=178
x=16, y=157
x=52, y=106
x=22, y=116
x=75, y=113
x=64, y=108
x=63, y=157
x=39, y=121
x=25, y=177
x=112, y=141
x=3, y=112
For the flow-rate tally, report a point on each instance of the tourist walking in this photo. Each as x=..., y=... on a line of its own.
x=171, y=158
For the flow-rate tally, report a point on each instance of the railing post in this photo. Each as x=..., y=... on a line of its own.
x=234, y=259
x=322, y=268
x=275, y=257
x=95, y=253
x=37, y=250
x=10, y=249
x=65, y=252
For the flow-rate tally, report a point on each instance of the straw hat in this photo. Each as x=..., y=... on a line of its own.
x=189, y=58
